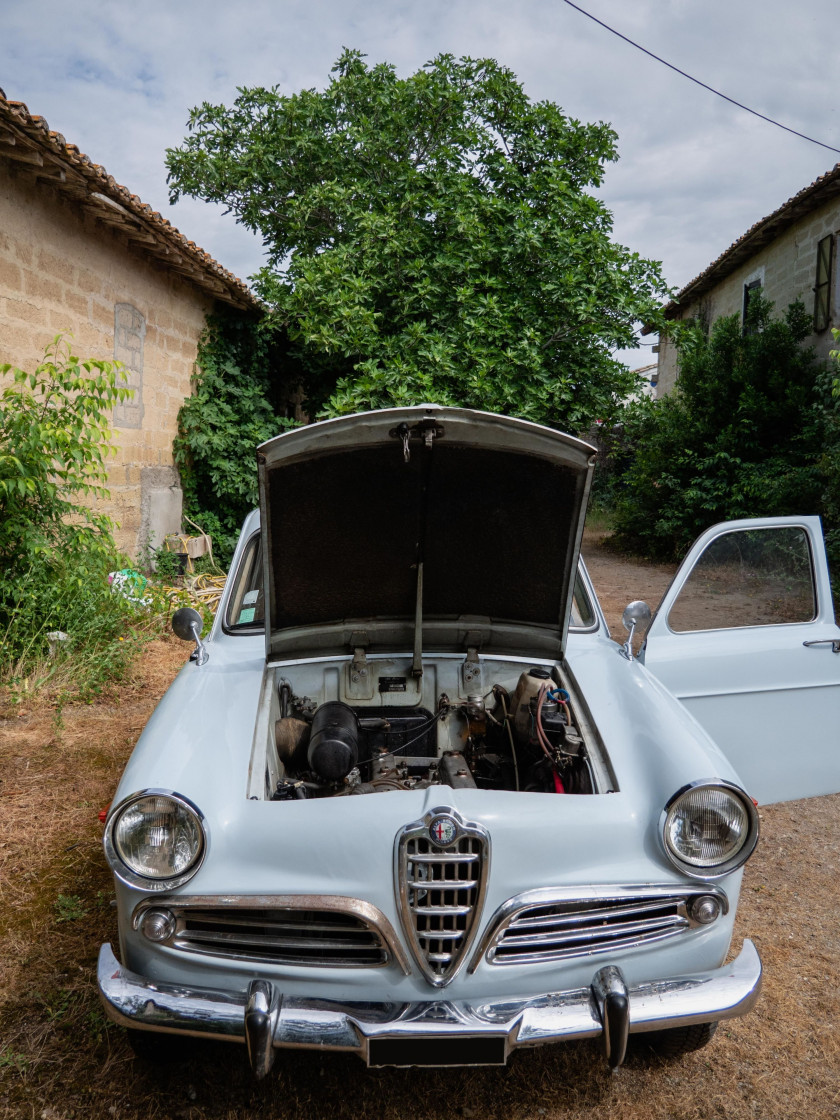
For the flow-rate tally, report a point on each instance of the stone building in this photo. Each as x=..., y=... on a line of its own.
x=80, y=254
x=789, y=255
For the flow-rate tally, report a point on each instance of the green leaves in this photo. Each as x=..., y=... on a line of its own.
x=737, y=438
x=55, y=545
x=236, y=404
x=430, y=238
x=54, y=444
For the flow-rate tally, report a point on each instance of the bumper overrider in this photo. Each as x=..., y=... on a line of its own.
x=436, y=1032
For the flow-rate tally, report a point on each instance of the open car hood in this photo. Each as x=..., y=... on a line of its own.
x=487, y=510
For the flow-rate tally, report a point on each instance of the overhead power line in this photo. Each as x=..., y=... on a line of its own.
x=697, y=81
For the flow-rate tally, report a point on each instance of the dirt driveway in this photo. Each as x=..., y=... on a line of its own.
x=60, y=1059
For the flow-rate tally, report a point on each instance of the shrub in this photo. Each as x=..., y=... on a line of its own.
x=737, y=437
x=56, y=547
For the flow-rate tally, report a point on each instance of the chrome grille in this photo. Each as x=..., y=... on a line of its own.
x=441, y=889
x=537, y=929
x=316, y=937
x=292, y=930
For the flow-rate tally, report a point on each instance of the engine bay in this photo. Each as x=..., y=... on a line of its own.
x=518, y=732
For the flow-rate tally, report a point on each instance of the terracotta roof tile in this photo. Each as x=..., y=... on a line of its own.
x=27, y=139
x=822, y=189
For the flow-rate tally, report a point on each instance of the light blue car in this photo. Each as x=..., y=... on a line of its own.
x=409, y=800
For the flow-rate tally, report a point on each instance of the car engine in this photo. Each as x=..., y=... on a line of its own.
x=526, y=740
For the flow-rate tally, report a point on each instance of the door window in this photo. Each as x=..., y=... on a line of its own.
x=750, y=577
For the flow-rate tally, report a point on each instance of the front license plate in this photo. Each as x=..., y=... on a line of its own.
x=443, y=1051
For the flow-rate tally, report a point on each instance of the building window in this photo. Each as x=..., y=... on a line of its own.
x=822, y=288
x=751, y=290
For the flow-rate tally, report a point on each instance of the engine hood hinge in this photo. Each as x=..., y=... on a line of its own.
x=471, y=670
x=359, y=674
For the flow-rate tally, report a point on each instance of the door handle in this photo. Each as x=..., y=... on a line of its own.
x=833, y=642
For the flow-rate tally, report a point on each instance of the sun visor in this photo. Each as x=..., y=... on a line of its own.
x=488, y=510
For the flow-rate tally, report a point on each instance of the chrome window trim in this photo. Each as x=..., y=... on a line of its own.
x=762, y=626
x=336, y=904
x=242, y=629
x=508, y=912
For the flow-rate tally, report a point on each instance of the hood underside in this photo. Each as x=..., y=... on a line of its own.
x=483, y=512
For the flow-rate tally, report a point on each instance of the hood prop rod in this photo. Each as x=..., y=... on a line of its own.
x=417, y=661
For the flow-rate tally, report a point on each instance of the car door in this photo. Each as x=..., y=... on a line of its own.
x=746, y=638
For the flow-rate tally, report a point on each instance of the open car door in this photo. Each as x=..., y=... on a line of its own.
x=746, y=638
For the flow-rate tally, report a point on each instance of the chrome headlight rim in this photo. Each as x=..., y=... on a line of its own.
x=730, y=864
x=133, y=878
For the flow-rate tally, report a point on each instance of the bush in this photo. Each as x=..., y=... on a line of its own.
x=56, y=548
x=736, y=438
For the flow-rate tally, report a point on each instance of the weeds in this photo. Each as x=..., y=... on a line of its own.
x=68, y=908
x=10, y=1059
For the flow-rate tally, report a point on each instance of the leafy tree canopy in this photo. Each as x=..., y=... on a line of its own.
x=430, y=238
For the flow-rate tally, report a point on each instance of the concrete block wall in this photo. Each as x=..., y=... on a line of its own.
x=787, y=269
x=62, y=272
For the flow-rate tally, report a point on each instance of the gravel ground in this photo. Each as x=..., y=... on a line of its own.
x=60, y=1059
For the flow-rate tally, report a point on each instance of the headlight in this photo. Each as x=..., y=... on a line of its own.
x=155, y=840
x=710, y=829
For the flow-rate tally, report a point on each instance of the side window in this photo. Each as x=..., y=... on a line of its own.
x=750, y=577
x=583, y=616
x=751, y=290
x=822, y=287
x=246, y=607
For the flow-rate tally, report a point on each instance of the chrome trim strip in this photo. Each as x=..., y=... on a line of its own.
x=333, y=903
x=507, y=916
x=703, y=997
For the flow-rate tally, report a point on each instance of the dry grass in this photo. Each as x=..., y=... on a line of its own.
x=59, y=1058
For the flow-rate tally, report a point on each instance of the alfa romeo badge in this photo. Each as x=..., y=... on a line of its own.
x=442, y=831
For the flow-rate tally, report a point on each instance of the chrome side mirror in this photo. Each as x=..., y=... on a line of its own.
x=186, y=625
x=636, y=616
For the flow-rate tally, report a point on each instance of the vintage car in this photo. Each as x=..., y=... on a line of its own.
x=410, y=801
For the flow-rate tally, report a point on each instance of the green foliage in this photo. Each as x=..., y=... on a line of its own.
x=56, y=548
x=68, y=908
x=430, y=238
x=735, y=439
x=54, y=441
x=235, y=405
x=829, y=461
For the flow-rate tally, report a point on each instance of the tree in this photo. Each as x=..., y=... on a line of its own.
x=430, y=238
x=737, y=438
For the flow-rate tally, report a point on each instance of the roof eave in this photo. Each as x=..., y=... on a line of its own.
x=28, y=143
x=757, y=236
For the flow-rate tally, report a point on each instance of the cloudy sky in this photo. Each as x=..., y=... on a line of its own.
x=694, y=173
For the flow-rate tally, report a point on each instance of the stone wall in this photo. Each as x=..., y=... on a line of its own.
x=63, y=272
x=787, y=269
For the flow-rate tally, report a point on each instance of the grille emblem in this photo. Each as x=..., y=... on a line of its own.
x=443, y=831
x=441, y=868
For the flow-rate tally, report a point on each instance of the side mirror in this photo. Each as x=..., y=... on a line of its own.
x=186, y=625
x=636, y=616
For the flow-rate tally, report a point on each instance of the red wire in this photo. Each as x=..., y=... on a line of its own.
x=542, y=738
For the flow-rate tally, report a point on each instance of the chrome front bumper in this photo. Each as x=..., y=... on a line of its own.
x=438, y=1032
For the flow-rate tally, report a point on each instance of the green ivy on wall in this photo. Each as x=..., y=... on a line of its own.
x=240, y=399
